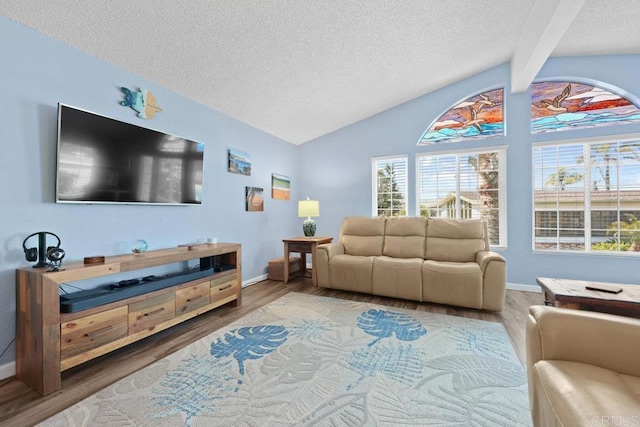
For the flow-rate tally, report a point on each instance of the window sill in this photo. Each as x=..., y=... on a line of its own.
x=590, y=253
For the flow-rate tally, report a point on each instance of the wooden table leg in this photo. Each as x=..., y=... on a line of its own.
x=314, y=274
x=303, y=264
x=286, y=262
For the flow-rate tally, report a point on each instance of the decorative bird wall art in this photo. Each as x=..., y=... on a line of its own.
x=143, y=101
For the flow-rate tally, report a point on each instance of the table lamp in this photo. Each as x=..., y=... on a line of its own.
x=308, y=208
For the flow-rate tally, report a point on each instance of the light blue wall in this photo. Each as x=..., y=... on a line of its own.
x=337, y=167
x=37, y=72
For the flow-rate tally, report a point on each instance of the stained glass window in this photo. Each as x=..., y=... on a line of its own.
x=477, y=117
x=563, y=105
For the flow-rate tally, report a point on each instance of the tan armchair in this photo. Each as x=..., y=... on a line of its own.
x=583, y=368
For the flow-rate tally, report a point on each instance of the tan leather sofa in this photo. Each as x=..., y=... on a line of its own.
x=583, y=368
x=445, y=261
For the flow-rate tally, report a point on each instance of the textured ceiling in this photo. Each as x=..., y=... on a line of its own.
x=300, y=69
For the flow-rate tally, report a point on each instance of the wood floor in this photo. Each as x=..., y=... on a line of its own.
x=20, y=406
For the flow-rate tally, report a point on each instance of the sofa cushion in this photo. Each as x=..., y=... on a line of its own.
x=633, y=383
x=452, y=283
x=362, y=236
x=454, y=240
x=574, y=393
x=351, y=273
x=404, y=237
x=397, y=277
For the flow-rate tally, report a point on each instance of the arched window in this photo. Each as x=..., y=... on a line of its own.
x=478, y=117
x=565, y=105
x=585, y=189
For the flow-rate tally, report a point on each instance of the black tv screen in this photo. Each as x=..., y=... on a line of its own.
x=103, y=160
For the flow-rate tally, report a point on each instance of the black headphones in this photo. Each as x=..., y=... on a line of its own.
x=53, y=253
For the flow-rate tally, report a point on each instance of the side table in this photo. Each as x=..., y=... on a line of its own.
x=573, y=294
x=304, y=246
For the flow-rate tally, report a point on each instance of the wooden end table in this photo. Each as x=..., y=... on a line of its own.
x=573, y=294
x=304, y=246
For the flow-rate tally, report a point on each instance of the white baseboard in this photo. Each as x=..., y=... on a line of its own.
x=255, y=280
x=7, y=370
x=512, y=286
x=525, y=288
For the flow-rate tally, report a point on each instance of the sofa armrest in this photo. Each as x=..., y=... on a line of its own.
x=599, y=339
x=494, y=279
x=483, y=258
x=324, y=253
x=331, y=249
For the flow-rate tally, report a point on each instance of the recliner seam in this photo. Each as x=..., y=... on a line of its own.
x=544, y=389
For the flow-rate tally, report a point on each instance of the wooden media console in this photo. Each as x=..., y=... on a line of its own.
x=49, y=341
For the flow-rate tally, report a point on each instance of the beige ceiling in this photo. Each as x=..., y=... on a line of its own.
x=300, y=69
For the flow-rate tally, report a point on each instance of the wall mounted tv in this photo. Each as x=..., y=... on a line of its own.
x=102, y=160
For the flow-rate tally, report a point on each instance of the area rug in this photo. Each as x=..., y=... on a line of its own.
x=306, y=360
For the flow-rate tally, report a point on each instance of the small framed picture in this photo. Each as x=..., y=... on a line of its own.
x=254, y=199
x=239, y=162
x=280, y=187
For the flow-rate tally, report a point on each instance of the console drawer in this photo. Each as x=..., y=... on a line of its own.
x=86, y=333
x=224, y=287
x=150, y=312
x=191, y=298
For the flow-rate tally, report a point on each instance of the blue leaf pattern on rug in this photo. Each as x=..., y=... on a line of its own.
x=403, y=363
x=249, y=343
x=484, y=342
x=309, y=329
x=190, y=388
x=383, y=324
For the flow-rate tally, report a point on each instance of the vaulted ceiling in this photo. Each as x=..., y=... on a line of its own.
x=300, y=69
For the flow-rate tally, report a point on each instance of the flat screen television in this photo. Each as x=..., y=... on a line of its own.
x=103, y=160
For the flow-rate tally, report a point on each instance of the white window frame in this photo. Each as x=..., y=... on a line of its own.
x=585, y=142
x=374, y=181
x=502, y=183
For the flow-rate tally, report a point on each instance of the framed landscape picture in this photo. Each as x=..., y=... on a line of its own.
x=254, y=199
x=280, y=187
x=239, y=162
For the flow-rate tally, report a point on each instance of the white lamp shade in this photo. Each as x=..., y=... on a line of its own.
x=308, y=208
